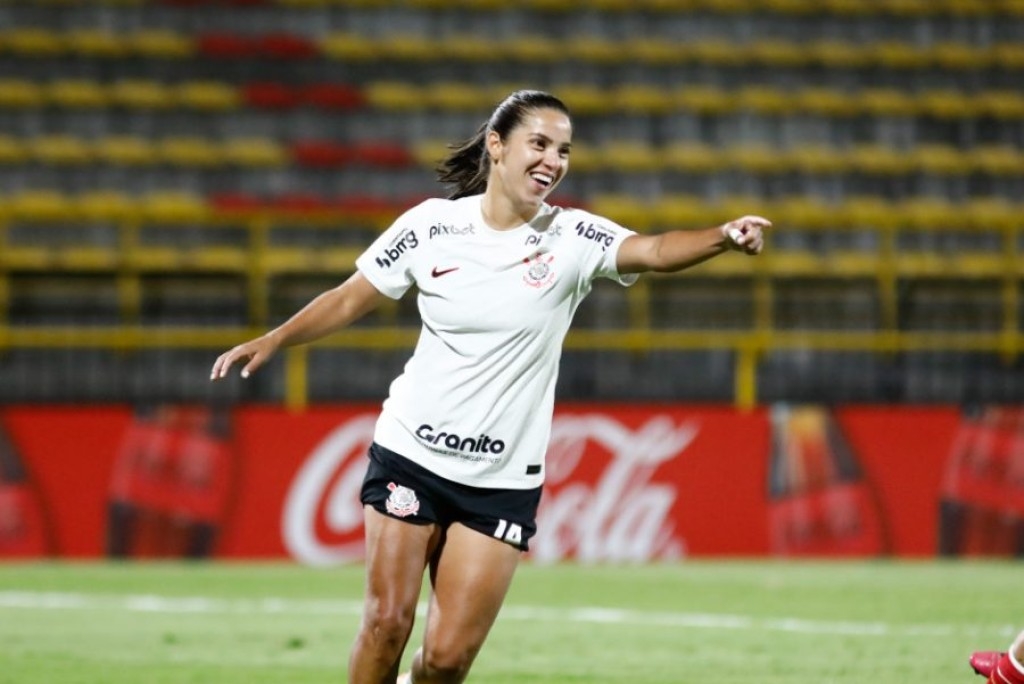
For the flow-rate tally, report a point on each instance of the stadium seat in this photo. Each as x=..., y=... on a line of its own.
x=593, y=49
x=693, y=158
x=285, y=46
x=254, y=152
x=207, y=96
x=134, y=94
x=939, y=160
x=777, y=53
x=333, y=96
x=879, y=160
x=33, y=42
x=625, y=210
x=704, y=99
x=189, y=151
x=655, y=51
x=680, y=211
x=946, y=104
x=640, y=98
x=1005, y=105
x=349, y=47
x=270, y=95
x=62, y=150
x=756, y=159
x=996, y=160
x=92, y=43
x=630, y=156
x=224, y=45
x=382, y=154
x=584, y=99
x=455, y=96
x=534, y=48
x=394, y=95
x=763, y=100
x=960, y=56
x=105, y=206
x=887, y=102
x=77, y=94
x=321, y=154
x=17, y=94
x=160, y=44
x=125, y=151
x=408, y=47
x=12, y=150
x=718, y=52
x=836, y=54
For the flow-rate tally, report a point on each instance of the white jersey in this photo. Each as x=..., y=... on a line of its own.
x=474, y=403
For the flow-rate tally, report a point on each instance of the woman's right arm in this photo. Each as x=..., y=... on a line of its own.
x=329, y=312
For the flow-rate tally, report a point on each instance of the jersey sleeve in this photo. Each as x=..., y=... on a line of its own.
x=387, y=262
x=600, y=239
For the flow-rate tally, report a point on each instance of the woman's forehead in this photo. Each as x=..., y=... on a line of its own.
x=552, y=123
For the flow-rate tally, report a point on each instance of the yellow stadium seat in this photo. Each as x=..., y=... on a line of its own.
x=817, y=159
x=394, y=95
x=1007, y=105
x=33, y=42
x=879, y=160
x=189, y=151
x=843, y=8
x=16, y=93
x=349, y=47
x=173, y=207
x=655, y=51
x=693, y=157
x=593, y=49
x=534, y=48
x=254, y=152
x=718, y=52
x=997, y=160
x=960, y=56
x=867, y=212
x=409, y=47
x=62, y=150
x=887, y=102
x=455, y=96
x=95, y=43
x=946, y=104
x=77, y=94
x=992, y=213
x=835, y=54
x=1007, y=55
x=160, y=44
x=141, y=95
x=680, y=211
x=764, y=100
x=940, y=160
x=630, y=157
x=826, y=102
x=105, y=206
x=777, y=53
x=473, y=49
x=641, y=98
x=43, y=206
x=12, y=150
x=967, y=8
x=704, y=100
x=930, y=213
x=625, y=210
x=899, y=55
x=802, y=212
x=207, y=96
x=125, y=151
x=911, y=8
x=430, y=153
x=584, y=99
x=756, y=159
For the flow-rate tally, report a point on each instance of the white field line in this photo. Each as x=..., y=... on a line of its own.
x=151, y=603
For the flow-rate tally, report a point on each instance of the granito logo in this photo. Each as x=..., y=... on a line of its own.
x=439, y=229
x=473, y=445
x=402, y=244
x=589, y=232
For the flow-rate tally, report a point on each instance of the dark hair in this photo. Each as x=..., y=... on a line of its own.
x=467, y=166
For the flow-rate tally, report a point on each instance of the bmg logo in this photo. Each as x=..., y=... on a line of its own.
x=405, y=242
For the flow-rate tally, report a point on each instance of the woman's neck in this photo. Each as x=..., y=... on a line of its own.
x=500, y=214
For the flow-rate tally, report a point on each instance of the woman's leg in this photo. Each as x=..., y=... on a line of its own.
x=471, y=576
x=397, y=553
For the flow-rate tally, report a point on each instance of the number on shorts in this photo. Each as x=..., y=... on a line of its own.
x=509, y=532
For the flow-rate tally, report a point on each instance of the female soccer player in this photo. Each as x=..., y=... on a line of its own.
x=455, y=471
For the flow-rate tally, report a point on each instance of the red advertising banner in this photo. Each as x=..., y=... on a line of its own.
x=625, y=483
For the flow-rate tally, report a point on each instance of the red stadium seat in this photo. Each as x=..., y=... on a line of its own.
x=270, y=95
x=286, y=46
x=332, y=96
x=226, y=46
x=320, y=153
x=382, y=154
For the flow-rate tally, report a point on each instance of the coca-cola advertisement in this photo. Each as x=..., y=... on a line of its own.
x=625, y=483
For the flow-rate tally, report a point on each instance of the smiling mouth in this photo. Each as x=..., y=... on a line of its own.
x=543, y=179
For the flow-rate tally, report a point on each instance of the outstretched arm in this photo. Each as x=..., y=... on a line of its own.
x=679, y=249
x=330, y=311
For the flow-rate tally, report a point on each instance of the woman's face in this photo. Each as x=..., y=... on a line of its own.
x=533, y=158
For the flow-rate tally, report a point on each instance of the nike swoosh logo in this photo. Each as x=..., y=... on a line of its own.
x=438, y=272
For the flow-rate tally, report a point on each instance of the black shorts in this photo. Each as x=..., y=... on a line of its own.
x=402, y=489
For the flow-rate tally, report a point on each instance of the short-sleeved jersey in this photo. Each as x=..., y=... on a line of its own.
x=474, y=403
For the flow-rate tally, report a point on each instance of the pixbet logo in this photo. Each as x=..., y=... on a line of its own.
x=439, y=230
x=402, y=244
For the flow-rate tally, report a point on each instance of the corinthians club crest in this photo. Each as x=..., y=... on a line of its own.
x=539, y=272
x=402, y=502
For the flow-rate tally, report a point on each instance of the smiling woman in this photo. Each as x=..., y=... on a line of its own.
x=455, y=472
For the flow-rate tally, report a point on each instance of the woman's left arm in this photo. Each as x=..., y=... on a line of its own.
x=679, y=249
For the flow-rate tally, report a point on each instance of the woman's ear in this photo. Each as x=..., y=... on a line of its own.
x=493, y=144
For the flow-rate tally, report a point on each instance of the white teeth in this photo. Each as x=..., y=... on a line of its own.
x=542, y=178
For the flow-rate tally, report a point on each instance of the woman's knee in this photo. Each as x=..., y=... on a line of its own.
x=388, y=623
x=449, y=661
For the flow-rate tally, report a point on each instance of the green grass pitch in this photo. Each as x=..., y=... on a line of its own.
x=769, y=622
